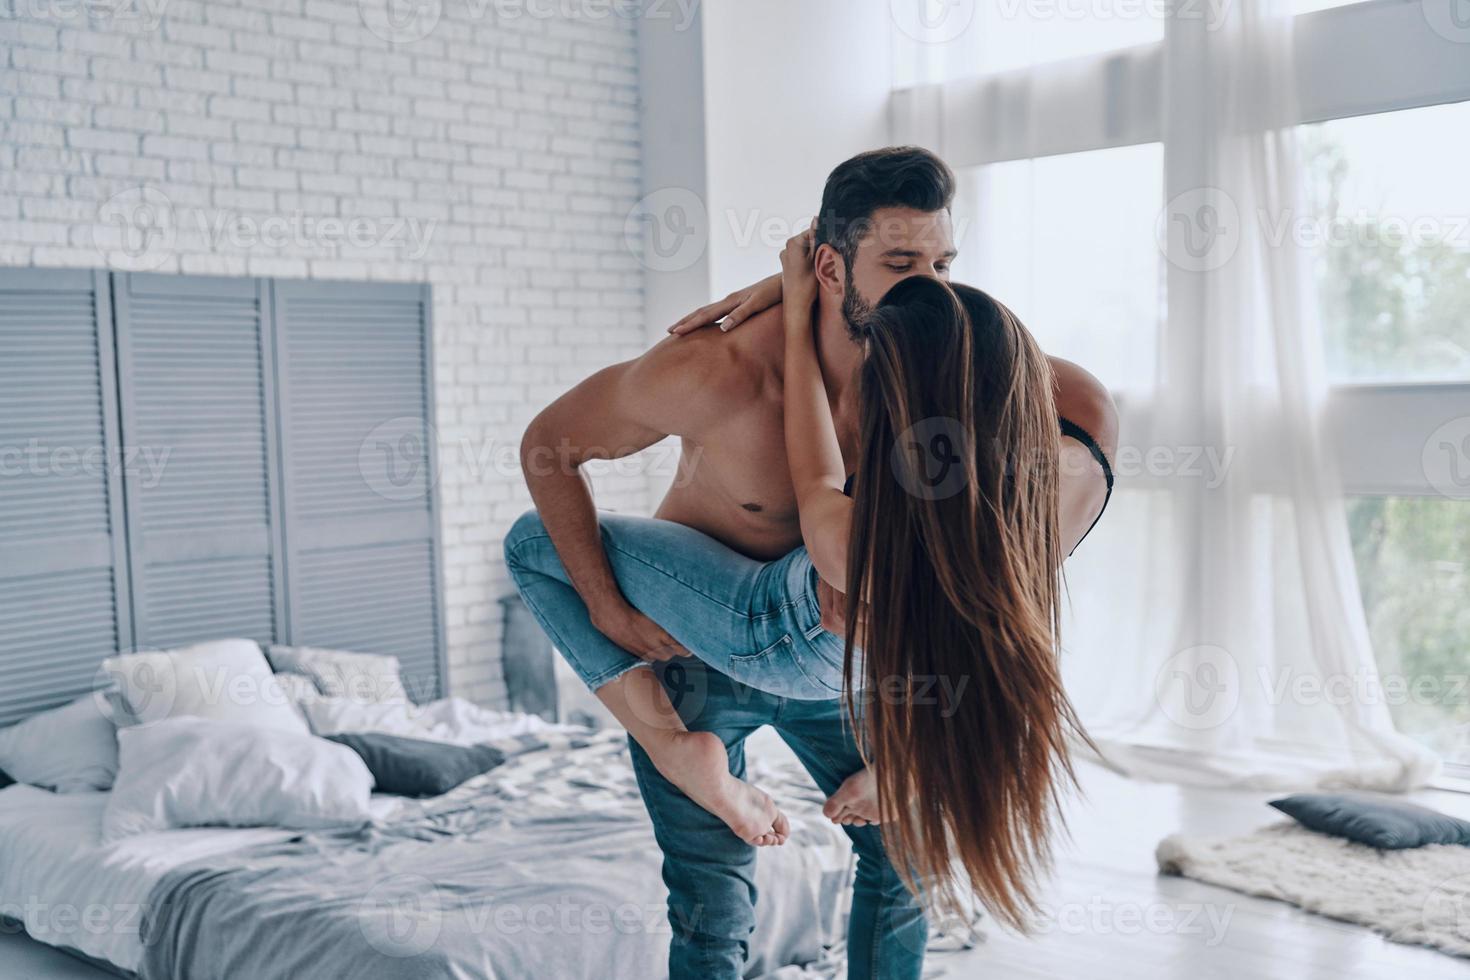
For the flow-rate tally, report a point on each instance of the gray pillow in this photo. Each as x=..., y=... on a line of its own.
x=416, y=767
x=1387, y=825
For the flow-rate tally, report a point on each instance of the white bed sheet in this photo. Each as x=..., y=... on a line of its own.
x=70, y=890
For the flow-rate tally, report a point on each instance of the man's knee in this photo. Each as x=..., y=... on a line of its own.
x=528, y=527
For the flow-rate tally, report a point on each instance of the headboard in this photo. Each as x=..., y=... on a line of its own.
x=185, y=458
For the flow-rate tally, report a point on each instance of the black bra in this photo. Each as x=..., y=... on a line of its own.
x=1069, y=428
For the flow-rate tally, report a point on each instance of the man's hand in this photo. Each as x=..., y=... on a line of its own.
x=636, y=633
x=735, y=309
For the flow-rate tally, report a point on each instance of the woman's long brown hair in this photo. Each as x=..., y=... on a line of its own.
x=956, y=552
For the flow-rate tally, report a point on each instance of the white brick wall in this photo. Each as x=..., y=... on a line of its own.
x=511, y=140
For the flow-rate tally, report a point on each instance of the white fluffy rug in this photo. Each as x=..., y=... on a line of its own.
x=1416, y=896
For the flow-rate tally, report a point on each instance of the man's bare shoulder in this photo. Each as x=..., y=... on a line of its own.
x=708, y=366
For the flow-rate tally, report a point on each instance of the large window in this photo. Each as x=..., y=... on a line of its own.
x=1034, y=217
x=1059, y=122
x=1413, y=557
x=1391, y=225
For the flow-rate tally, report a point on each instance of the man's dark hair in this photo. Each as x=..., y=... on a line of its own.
x=893, y=177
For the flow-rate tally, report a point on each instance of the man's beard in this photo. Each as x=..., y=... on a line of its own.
x=855, y=310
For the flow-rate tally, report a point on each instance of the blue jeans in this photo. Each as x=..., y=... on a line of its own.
x=756, y=622
x=726, y=609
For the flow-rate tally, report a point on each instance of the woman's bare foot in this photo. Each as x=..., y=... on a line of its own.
x=855, y=804
x=696, y=763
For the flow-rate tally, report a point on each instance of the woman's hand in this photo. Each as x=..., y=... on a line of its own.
x=736, y=308
x=798, y=275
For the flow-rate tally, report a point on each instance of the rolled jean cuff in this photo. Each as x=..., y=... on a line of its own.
x=608, y=676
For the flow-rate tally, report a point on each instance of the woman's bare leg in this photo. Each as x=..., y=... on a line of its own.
x=693, y=761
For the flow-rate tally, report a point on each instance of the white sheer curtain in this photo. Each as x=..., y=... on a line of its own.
x=1217, y=635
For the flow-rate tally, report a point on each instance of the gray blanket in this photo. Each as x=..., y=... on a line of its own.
x=546, y=867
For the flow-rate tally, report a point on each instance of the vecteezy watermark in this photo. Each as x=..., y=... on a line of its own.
x=1450, y=19
x=756, y=228
x=1365, y=227
x=401, y=915
x=1212, y=12
x=142, y=228
x=403, y=458
x=1286, y=685
x=397, y=459
x=138, y=15
x=1099, y=917
x=1208, y=464
x=404, y=915
x=1202, y=687
x=144, y=464
x=932, y=458
x=55, y=921
x=942, y=691
x=1199, y=688
x=1199, y=230
x=668, y=230
x=1447, y=907
x=1446, y=458
x=933, y=21
x=407, y=21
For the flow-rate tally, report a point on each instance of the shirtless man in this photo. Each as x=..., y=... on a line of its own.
x=885, y=216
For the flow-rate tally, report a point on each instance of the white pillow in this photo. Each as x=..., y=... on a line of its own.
x=299, y=689
x=72, y=749
x=227, y=680
x=336, y=716
x=192, y=772
x=367, y=678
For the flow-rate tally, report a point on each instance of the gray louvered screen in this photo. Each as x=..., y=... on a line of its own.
x=195, y=363
x=356, y=437
x=63, y=605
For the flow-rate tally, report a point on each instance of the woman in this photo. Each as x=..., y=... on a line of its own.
x=948, y=551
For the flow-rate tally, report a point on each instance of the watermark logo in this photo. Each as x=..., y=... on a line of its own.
x=933, y=21
x=407, y=21
x=930, y=458
x=687, y=683
x=1450, y=19
x=144, y=689
x=1446, y=459
x=668, y=230
x=138, y=15
x=396, y=459
x=140, y=222
x=1100, y=917
x=1199, y=688
x=400, y=21
x=401, y=916
x=144, y=226
x=1447, y=907
x=1199, y=230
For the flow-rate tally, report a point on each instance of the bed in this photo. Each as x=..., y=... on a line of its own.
x=544, y=866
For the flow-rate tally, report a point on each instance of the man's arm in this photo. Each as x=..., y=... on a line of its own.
x=619, y=411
